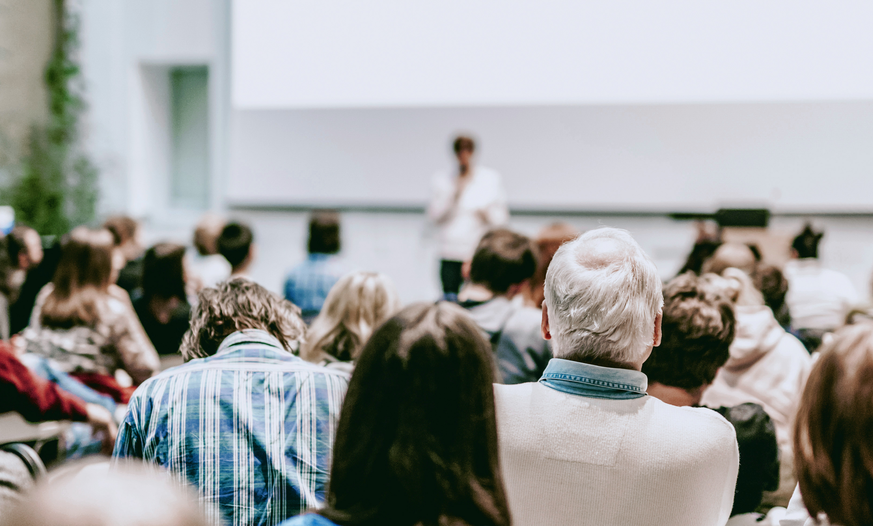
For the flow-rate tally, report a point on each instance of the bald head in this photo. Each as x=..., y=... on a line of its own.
x=736, y=255
x=603, y=296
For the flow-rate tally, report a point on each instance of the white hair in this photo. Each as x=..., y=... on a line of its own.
x=603, y=294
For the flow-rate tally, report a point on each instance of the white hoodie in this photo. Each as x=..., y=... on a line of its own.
x=767, y=366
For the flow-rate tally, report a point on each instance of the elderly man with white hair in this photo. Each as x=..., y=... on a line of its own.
x=586, y=444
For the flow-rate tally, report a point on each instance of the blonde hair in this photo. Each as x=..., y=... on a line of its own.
x=354, y=308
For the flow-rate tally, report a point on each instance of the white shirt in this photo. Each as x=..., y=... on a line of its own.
x=570, y=459
x=817, y=298
x=461, y=224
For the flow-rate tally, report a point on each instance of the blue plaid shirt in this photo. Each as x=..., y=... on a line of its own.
x=308, y=283
x=251, y=427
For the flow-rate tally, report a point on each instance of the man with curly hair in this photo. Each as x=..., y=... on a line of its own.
x=244, y=421
x=698, y=326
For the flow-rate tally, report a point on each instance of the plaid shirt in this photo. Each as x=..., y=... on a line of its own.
x=251, y=427
x=308, y=283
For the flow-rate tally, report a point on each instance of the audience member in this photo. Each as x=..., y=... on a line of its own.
x=210, y=267
x=417, y=440
x=502, y=264
x=85, y=325
x=698, y=327
x=732, y=255
x=21, y=251
x=767, y=366
x=356, y=306
x=773, y=286
x=129, y=249
x=832, y=445
x=163, y=308
x=547, y=242
x=244, y=421
x=38, y=400
x=586, y=445
x=236, y=244
x=129, y=495
x=308, y=284
x=818, y=298
x=37, y=278
x=24, y=250
x=708, y=240
x=466, y=203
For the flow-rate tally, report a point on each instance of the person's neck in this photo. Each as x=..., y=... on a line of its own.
x=476, y=292
x=606, y=362
x=242, y=270
x=675, y=395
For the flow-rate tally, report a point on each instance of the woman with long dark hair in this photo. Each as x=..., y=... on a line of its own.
x=416, y=442
x=163, y=308
x=85, y=325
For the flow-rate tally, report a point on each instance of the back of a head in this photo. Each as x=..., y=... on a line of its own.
x=806, y=243
x=126, y=495
x=547, y=242
x=235, y=305
x=82, y=276
x=502, y=259
x=324, y=232
x=357, y=304
x=123, y=228
x=417, y=438
x=164, y=271
x=603, y=294
x=833, y=453
x=773, y=286
x=698, y=326
x=235, y=243
x=206, y=234
x=736, y=255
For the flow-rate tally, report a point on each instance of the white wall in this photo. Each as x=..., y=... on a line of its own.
x=128, y=49
x=666, y=158
x=129, y=45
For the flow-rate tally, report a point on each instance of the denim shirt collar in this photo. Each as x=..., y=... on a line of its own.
x=593, y=381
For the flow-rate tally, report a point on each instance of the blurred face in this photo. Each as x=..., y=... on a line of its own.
x=34, y=250
x=465, y=156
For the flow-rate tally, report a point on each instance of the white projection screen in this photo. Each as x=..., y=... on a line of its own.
x=627, y=105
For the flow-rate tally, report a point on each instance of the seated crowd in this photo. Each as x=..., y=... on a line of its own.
x=564, y=384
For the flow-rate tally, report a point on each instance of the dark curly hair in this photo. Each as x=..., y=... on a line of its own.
x=698, y=327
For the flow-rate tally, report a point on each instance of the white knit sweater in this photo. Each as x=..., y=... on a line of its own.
x=569, y=459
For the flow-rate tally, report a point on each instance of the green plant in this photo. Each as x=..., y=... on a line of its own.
x=55, y=187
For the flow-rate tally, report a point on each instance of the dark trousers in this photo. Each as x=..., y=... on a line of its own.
x=450, y=275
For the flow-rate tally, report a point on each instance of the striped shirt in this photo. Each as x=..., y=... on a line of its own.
x=308, y=283
x=251, y=427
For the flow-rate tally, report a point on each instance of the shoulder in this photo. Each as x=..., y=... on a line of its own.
x=509, y=395
x=309, y=519
x=705, y=429
x=791, y=350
